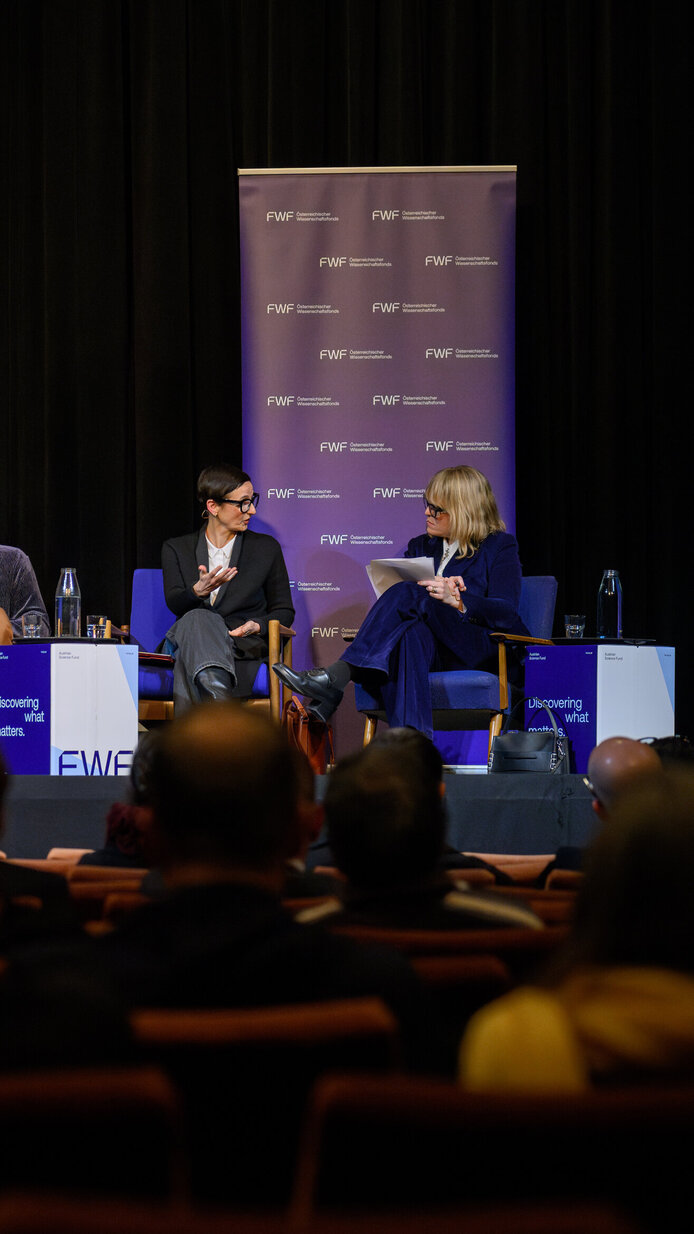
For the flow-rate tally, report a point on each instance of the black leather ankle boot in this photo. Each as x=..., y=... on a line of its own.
x=214, y=682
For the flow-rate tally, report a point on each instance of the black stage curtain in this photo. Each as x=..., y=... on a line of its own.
x=123, y=125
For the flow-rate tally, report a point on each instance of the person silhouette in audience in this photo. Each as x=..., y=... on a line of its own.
x=223, y=793
x=127, y=823
x=32, y=902
x=57, y=1006
x=613, y=766
x=385, y=822
x=618, y=1001
x=299, y=882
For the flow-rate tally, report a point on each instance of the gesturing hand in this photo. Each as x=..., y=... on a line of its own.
x=210, y=580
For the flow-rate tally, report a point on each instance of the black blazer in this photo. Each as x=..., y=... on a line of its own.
x=260, y=591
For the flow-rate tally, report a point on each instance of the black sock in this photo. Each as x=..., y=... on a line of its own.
x=340, y=674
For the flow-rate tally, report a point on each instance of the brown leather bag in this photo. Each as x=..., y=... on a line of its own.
x=312, y=736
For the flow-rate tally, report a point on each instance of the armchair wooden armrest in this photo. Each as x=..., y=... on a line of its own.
x=501, y=638
x=279, y=639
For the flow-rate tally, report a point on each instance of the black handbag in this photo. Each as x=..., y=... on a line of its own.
x=516, y=751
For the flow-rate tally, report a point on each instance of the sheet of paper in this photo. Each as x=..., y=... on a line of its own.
x=384, y=571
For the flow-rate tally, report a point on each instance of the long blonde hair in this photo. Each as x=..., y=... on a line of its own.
x=466, y=495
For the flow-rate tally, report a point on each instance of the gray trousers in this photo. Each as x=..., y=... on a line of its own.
x=200, y=639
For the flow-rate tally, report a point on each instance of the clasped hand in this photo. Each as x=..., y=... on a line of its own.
x=447, y=588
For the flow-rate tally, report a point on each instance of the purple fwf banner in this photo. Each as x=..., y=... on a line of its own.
x=378, y=347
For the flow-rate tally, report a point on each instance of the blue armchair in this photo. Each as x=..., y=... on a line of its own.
x=149, y=621
x=468, y=698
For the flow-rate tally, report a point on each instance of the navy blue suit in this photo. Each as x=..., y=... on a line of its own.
x=407, y=634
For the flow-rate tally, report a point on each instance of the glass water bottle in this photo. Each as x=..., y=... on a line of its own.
x=68, y=605
x=610, y=605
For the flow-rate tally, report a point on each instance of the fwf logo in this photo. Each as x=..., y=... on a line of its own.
x=438, y=353
x=333, y=447
x=333, y=262
x=280, y=400
x=324, y=631
x=280, y=308
x=385, y=306
x=438, y=259
x=333, y=353
x=385, y=400
x=439, y=446
x=334, y=538
x=282, y=493
x=279, y=216
x=95, y=767
x=385, y=216
x=387, y=492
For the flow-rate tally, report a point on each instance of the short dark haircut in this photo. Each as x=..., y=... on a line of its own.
x=410, y=743
x=222, y=784
x=215, y=482
x=676, y=749
x=140, y=767
x=384, y=813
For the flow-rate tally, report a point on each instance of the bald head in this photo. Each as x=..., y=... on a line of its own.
x=223, y=788
x=618, y=763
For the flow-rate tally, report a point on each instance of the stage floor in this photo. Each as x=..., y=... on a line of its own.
x=525, y=813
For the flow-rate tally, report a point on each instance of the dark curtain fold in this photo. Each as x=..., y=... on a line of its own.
x=123, y=125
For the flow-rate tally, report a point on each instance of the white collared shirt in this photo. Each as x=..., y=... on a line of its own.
x=449, y=550
x=218, y=557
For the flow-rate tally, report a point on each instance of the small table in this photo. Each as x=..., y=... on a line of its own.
x=68, y=707
x=615, y=688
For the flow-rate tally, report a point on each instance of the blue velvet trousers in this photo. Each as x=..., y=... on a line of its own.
x=404, y=637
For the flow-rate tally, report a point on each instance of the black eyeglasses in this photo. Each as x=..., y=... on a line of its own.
x=434, y=511
x=244, y=505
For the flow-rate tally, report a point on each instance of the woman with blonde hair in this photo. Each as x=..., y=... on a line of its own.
x=442, y=622
x=616, y=1004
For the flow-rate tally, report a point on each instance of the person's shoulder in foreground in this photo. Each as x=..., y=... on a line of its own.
x=34, y=904
x=223, y=793
x=436, y=904
x=385, y=820
x=57, y=1005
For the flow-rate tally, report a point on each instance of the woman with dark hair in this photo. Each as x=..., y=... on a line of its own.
x=224, y=583
x=442, y=622
x=618, y=1001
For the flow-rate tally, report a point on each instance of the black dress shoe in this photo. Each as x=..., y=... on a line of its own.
x=214, y=683
x=313, y=683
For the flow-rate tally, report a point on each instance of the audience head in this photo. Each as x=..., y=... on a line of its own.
x=222, y=786
x=615, y=765
x=384, y=810
x=677, y=749
x=635, y=904
x=128, y=823
x=141, y=766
